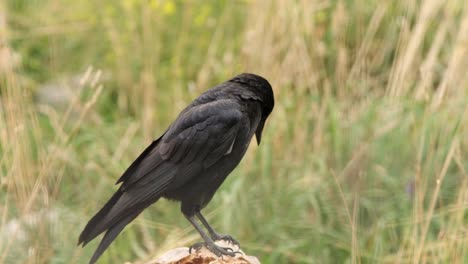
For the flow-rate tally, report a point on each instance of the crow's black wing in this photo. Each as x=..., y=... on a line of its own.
x=134, y=166
x=204, y=134
x=198, y=138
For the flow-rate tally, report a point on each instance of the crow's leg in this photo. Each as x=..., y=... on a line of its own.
x=214, y=235
x=209, y=243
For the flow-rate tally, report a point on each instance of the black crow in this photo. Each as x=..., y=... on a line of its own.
x=190, y=160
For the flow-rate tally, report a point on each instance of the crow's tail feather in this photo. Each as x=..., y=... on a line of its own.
x=112, y=221
x=111, y=234
x=92, y=229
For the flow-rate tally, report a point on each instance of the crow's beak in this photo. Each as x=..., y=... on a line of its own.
x=258, y=133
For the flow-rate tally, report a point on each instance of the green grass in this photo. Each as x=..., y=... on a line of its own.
x=364, y=158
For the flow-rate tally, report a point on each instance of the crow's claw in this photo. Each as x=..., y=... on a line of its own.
x=215, y=249
x=227, y=238
x=196, y=246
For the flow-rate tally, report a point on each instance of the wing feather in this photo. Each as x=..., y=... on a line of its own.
x=204, y=134
x=131, y=169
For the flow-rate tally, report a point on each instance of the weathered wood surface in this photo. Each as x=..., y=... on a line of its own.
x=203, y=256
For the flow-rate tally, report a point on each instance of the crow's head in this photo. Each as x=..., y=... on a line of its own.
x=263, y=92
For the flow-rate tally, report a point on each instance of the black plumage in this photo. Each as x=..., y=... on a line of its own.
x=190, y=160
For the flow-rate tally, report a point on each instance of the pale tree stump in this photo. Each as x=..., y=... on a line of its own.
x=203, y=256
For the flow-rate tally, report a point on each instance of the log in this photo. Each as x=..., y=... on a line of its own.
x=203, y=256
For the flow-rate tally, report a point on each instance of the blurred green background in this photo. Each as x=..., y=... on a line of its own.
x=363, y=160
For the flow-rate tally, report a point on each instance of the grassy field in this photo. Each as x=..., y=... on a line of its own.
x=364, y=158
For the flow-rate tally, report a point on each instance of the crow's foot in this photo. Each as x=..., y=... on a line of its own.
x=196, y=246
x=228, y=238
x=215, y=249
